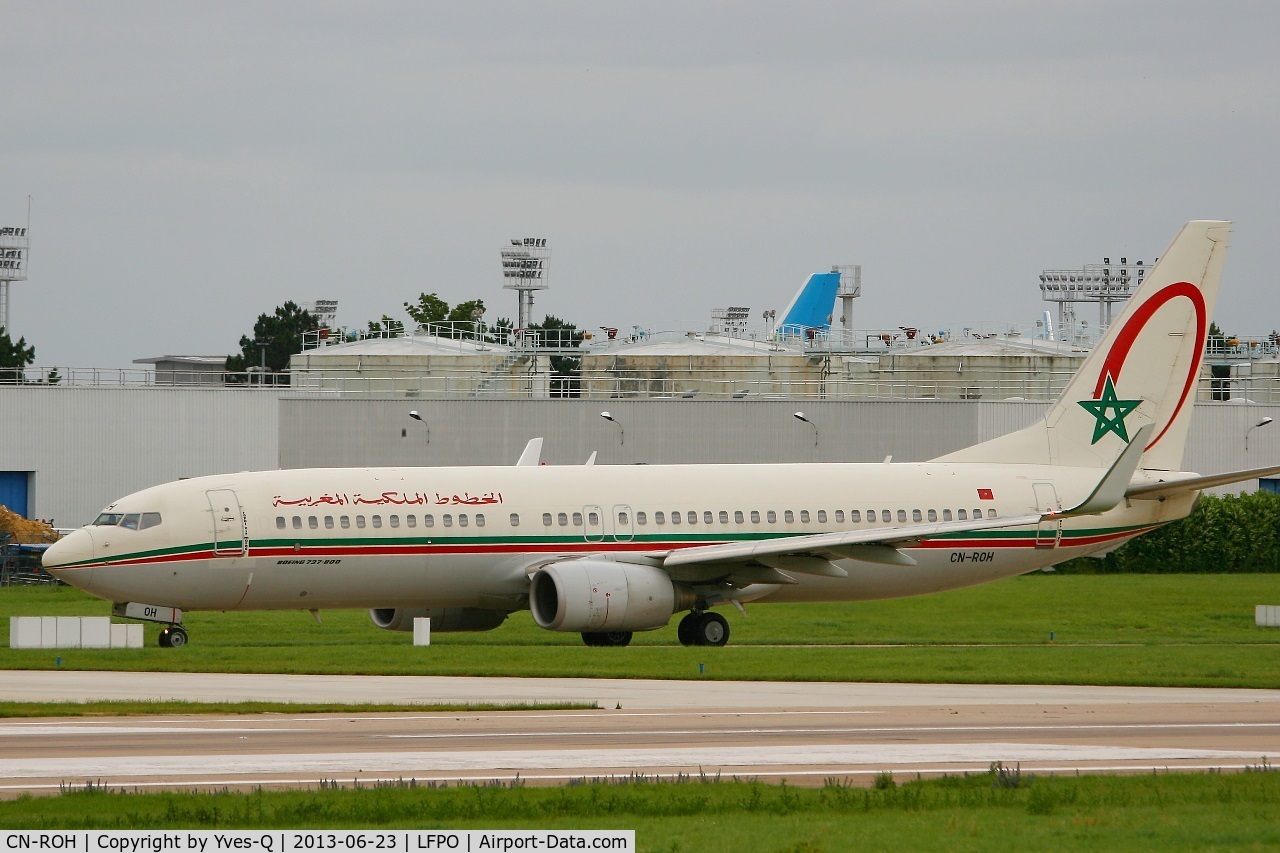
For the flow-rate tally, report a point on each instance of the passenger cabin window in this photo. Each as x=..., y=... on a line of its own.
x=755, y=516
x=359, y=521
x=916, y=516
x=724, y=516
x=394, y=521
x=344, y=522
x=675, y=516
x=280, y=522
x=855, y=516
x=902, y=516
x=772, y=516
x=428, y=521
x=377, y=521
x=515, y=519
x=462, y=519
x=692, y=517
x=839, y=516
x=707, y=517
x=313, y=522
x=480, y=519
x=641, y=518
x=622, y=518
x=563, y=519
x=886, y=516
x=946, y=515
x=991, y=513
x=933, y=515
x=738, y=517
x=977, y=513
x=804, y=516
x=328, y=522
x=788, y=516
x=411, y=521
x=659, y=517
x=297, y=522
x=577, y=519
x=447, y=520
x=594, y=518
x=546, y=519
x=962, y=515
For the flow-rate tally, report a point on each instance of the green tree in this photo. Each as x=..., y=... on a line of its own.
x=281, y=333
x=14, y=356
x=566, y=369
x=430, y=308
x=391, y=328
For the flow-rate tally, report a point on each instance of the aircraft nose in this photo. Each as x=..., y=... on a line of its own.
x=65, y=558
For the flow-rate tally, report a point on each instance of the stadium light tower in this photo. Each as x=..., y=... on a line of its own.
x=14, y=250
x=524, y=266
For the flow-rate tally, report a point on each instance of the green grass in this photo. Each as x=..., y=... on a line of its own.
x=1159, y=630
x=981, y=812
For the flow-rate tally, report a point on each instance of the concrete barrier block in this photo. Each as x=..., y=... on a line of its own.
x=134, y=637
x=68, y=632
x=24, y=632
x=48, y=632
x=95, y=632
x=422, y=631
x=1267, y=615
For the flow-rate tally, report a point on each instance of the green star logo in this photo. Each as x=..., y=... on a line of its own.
x=1108, y=402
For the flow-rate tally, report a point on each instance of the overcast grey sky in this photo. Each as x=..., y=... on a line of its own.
x=195, y=164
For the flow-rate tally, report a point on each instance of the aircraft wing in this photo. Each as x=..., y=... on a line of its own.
x=813, y=554
x=1169, y=488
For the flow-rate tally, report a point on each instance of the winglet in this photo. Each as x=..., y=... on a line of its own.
x=532, y=453
x=1111, y=488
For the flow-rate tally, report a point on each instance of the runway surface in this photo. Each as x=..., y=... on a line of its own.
x=805, y=733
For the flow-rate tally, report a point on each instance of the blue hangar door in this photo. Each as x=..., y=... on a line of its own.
x=13, y=491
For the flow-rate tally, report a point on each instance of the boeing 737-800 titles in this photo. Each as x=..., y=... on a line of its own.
x=608, y=550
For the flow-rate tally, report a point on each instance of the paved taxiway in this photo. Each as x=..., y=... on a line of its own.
x=802, y=732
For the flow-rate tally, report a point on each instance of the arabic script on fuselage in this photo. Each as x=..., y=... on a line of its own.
x=391, y=499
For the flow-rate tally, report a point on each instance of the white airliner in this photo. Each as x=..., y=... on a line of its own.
x=609, y=550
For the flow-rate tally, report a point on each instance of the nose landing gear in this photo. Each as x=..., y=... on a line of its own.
x=173, y=637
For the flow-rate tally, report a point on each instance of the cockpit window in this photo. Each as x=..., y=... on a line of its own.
x=149, y=519
x=130, y=521
x=108, y=519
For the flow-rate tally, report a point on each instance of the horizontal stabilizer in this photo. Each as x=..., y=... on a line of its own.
x=1169, y=488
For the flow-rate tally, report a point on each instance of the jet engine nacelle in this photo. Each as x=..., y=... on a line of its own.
x=443, y=619
x=600, y=595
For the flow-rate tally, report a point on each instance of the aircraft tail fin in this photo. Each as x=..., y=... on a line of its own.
x=1144, y=370
x=812, y=305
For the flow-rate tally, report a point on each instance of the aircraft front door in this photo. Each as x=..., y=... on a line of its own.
x=230, y=533
x=593, y=523
x=1049, y=530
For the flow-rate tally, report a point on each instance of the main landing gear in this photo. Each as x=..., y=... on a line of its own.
x=606, y=638
x=703, y=628
x=173, y=637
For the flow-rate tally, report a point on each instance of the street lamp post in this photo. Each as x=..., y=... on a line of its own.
x=800, y=417
x=1260, y=423
x=622, y=432
x=417, y=417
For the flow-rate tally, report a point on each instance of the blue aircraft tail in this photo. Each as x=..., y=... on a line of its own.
x=812, y=305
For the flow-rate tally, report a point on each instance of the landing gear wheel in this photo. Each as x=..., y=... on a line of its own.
x=712, y=630
x=606, y=638
x=687, y=630
x=173, y=637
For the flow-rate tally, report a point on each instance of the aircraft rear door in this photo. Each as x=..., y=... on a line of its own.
x=1049, y=530
x=622, y=523
x=230, y=533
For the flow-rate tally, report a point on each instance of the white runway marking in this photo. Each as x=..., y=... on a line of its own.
x=887, y=756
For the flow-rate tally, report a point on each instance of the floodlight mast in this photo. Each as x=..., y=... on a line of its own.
x=524, y=266
x=15, y=246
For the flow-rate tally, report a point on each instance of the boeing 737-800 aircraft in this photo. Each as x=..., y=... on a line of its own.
x=608, y=550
